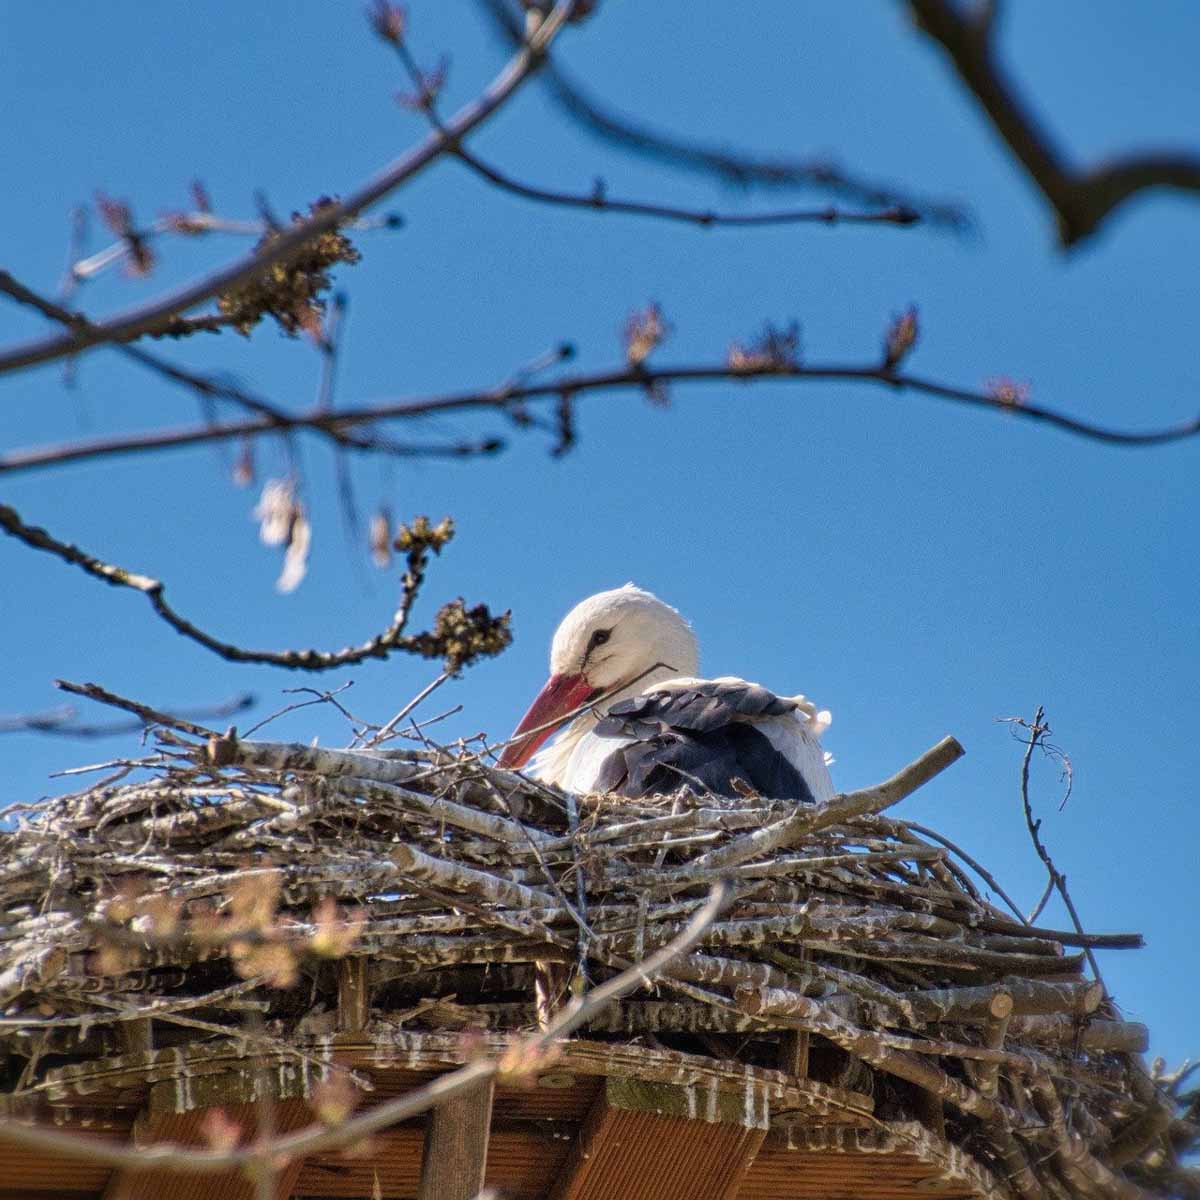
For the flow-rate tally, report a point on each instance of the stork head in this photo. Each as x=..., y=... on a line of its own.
x=614, y=640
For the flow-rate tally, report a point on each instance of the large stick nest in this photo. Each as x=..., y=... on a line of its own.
x=241, y=876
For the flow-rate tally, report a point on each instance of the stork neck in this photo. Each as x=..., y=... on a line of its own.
x=587, y=721
x=552, y=762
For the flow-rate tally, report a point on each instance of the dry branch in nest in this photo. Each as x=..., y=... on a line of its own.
x=424, y=890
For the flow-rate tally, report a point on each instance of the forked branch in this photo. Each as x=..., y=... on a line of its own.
x=1082, y=199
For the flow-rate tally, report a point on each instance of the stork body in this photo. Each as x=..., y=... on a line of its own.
x=659, y=727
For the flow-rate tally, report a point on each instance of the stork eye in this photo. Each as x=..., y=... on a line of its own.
x=598, y=639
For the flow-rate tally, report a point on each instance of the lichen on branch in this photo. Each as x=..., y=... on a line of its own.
x=290, y=290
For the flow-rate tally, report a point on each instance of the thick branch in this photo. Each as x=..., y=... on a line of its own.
x=833, y=812
x=1082, y=200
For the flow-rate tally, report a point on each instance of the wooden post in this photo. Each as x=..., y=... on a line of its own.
x=353, y=999
x=931, y=1111
x=793, y=1053
x=456, y=1145
x=136, y=1036
x=793, y=1045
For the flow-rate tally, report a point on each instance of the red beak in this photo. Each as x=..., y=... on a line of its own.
x=554, y=704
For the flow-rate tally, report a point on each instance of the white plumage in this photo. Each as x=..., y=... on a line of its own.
x=626, y=653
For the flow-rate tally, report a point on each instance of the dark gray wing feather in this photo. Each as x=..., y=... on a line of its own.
x=692, y=736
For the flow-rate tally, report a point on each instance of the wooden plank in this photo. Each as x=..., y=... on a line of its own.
x=659, y=1142
x=185, y=1129
x=456, y=1146
x=896, y=1162
x=524, y=1160
x=793, y=1052
x=32, y=1174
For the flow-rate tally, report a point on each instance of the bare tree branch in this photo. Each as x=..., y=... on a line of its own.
x=153, y=316
x=145, y=714
x=731, y=166
x=597, y=200
x=225, y=431
x=459, y=636
x=203, y=385
x=1082, y=199
x=64, y=721
x=641, y=377
x=1038, y=729
x=209, y=387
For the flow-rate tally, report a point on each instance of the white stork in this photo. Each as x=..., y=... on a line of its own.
x=661, y=728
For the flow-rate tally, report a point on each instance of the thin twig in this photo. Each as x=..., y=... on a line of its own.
x=319, y=697
x=146, y=714
x=598, y=201
x=64, y=721
x=975, y=866
x=387, y=730
x=1038, y=730
x=738, y=167
x=391, y=640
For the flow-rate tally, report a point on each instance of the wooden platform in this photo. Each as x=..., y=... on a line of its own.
x=603, y=1121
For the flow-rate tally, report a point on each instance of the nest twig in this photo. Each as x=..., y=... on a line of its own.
x=215, y=882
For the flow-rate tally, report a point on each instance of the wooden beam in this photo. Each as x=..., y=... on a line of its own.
x=793, y=1043
x=930, y=1109
x=649, y=1141
x=353, y=996
x=185, y=1129
x=136, y=1036
x=456, y=1146
x=793, y=1052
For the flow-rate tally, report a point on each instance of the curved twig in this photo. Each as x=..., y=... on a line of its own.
x=460, y=635
x=599, y=201
x=730, y=166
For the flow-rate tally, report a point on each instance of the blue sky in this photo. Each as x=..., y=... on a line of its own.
x=917, y=568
